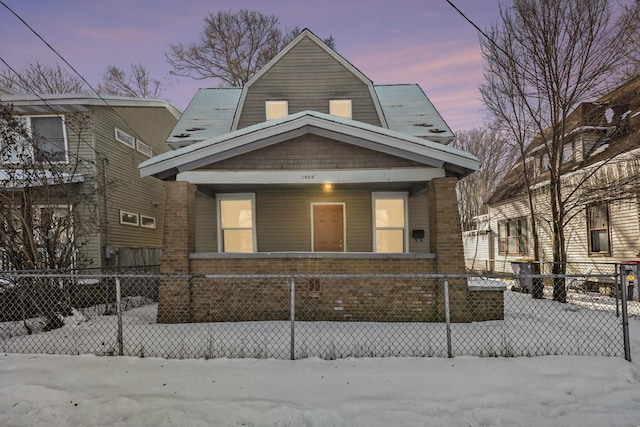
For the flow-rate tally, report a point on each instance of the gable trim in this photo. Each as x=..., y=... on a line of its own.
x=306, y=33
x=264, y=134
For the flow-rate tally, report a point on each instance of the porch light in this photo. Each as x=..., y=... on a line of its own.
x=327, y=186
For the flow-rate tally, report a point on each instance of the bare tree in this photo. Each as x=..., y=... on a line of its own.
x=37, y=77
x=137, y=83
x=496, y=156
x=551, y=55
x=46, y=209
x=295, y=32
x=232, y=47
x=40, y=194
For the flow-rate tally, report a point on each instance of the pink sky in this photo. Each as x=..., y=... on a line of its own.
x=404, y=41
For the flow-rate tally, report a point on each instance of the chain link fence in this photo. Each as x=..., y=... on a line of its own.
x=299, y=316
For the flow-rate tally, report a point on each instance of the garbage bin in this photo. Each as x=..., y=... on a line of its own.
x=525, y=282
x=630, y=276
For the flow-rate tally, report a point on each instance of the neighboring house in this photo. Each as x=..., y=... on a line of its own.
x=312, y=169
x=601, y=174
x=98, y=142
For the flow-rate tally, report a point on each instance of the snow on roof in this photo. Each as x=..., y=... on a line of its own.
x=208, y=115
x=408, y=110
x=207, y=151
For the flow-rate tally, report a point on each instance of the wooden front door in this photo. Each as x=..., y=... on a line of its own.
x=328, y=228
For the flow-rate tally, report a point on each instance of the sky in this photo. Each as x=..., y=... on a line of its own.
x=403, y=41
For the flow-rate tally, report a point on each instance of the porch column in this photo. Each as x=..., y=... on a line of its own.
x=179, y=227
x=175, y=297
x=445, y=231
x=445, y=234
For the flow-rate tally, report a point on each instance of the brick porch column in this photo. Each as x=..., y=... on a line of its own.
x=445, y=233
x=175, y=299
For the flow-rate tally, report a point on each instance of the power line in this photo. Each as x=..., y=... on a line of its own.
x=486, y=36
x=70, y=66
x=55, y=111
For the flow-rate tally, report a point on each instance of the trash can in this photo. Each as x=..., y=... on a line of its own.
x=526, y=282
x=630, y=276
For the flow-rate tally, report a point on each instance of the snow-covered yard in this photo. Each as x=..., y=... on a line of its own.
x=565, y=390
x=131, y=391
x=586, y=326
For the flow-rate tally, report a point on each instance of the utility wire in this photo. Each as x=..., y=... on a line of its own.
x=69, y=65
x=55, y=110
x=485, y=35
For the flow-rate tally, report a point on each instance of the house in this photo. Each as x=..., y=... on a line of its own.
x=310, y=168
x=92, y=146
x=600, y=177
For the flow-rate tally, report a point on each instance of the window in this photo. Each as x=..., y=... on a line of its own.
x=390, y=230
x=125, y=138
x=49, y=142
x=512, y=237
x=236, y=222
x=276, y=109
x=598, y=229
x=143, y=148
x=340, y=108
x=147, y=221
x=567, y=153
x=544, y=163
x=129, y=218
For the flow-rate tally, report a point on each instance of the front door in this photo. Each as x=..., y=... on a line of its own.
x=328, y=228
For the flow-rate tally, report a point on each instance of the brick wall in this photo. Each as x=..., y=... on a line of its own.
x=199, y=299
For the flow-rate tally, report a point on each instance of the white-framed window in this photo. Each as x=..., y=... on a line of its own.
x=236, y=222
x=567, y=153
x=390, y=221
x=512, y=236
x=49, y=142
x=147, y=221
x=276, y=109
x=143, y=148
x=125, y=138
x=129, y=218
x=340, y=108
x=598, y=229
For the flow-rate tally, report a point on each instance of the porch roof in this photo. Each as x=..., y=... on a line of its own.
x=167, y=165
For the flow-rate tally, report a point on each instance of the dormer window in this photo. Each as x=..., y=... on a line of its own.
x=340, y=108
x=276, y=109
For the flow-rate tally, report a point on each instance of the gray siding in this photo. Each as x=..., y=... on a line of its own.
x=312, y=152
x=308, y=77
x=419, y=220
x=206, y=224
x=283, y=220
x=126, y=190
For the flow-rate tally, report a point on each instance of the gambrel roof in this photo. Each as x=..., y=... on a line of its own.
x=400, y=107
x=455, y=162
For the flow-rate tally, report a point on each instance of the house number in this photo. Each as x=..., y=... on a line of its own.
x=307, y=177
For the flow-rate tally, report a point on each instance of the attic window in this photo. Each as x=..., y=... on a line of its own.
x=125, y=138
x=340, y=108
x=276, y=109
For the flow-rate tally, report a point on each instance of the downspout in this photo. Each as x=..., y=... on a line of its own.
x=107, y=246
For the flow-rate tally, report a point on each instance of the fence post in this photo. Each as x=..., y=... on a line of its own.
x=292, y=286
x=616, y=289
x=447, y=315
x=625, y=317
x=119, y=315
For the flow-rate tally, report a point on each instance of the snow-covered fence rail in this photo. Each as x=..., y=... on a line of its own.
x=300, y=315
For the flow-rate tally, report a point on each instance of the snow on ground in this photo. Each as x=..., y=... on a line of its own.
x=46, y=390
